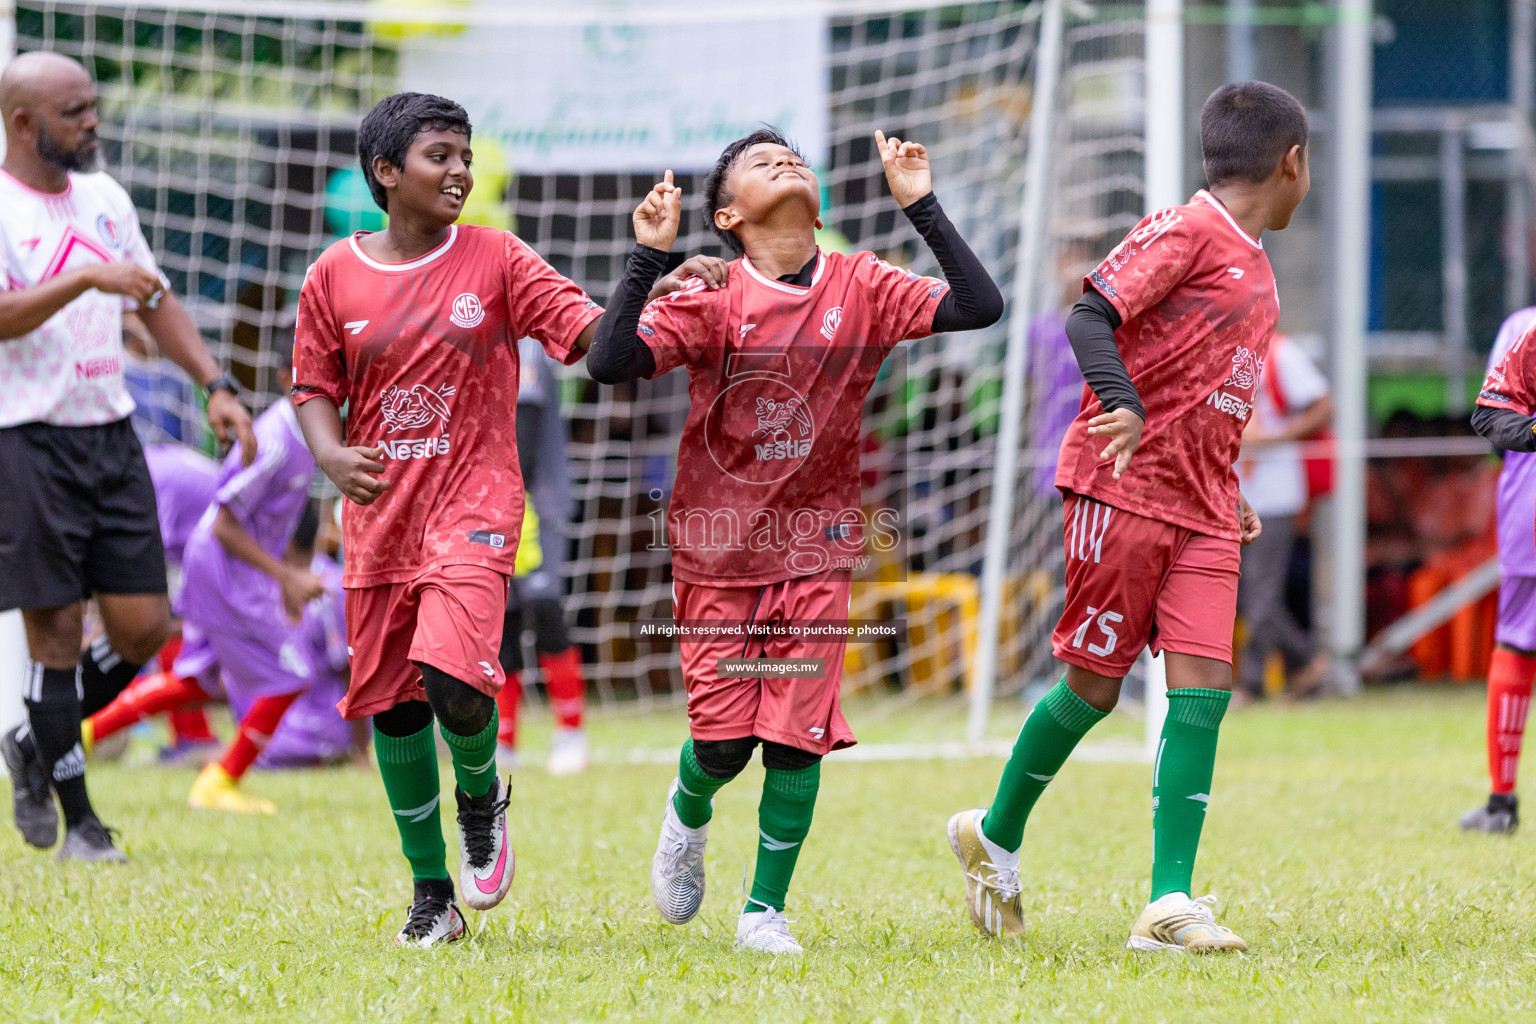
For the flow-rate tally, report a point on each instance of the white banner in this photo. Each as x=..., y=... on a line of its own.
x=638, y=98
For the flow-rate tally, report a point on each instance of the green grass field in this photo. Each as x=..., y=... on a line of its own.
x=1331, y=841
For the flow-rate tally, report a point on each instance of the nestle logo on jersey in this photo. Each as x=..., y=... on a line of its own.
x=93, y=368
x=774, y=420
x=423, y=449
x=1229, y=404
x=782, y=450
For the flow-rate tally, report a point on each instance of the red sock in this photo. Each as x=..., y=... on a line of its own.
x=169, y=653
x=507, y=700
x=256, y=728
x=190, y=725
x=567, y=689
x=1509, y=699
x=144, y=697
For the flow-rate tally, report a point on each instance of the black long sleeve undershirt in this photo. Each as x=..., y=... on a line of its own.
x=618, y=353
x=1506, y=428
x=1091, y=329
x=972, y=302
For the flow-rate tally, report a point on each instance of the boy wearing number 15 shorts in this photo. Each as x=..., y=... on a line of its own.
x=1171, y=335
x=415, y=330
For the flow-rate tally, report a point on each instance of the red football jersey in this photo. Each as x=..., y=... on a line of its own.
x=1198, y=306
x=427, y=353
x=768, y=464
x=1511, y=384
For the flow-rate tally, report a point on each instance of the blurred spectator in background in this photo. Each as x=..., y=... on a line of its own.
x=1293, y=404
x=536, y=595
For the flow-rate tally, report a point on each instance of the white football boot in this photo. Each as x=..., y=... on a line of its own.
x=765, y=931
x=433, y=920
x=487, y=861
x=677, y=870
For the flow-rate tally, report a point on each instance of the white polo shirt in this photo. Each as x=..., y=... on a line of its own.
x=68, y=372
x=1273, y=479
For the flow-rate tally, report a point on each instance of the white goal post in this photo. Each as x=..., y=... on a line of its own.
x=233, y=127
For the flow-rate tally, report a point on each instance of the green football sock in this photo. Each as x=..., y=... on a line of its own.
x=409, y=767
x=474, y=758
x=695, y=789
x=1049, y=734
x=783, y=821
x=1181, y=784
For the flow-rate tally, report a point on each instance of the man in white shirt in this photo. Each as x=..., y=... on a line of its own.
x=1293, y=404
x=77, y=505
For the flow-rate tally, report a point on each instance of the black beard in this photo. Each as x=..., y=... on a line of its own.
x=81, y=161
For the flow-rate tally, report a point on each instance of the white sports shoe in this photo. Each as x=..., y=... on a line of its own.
x=432, y=920
x=568, y=752
x=766, y=931
x=677, y=870
x=487, y=861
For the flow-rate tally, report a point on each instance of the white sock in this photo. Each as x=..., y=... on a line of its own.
x=1172, y=897
x=996, y=854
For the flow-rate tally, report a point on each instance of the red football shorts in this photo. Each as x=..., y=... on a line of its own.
x=449, y=617
x=803, y=713
x=1132, y=581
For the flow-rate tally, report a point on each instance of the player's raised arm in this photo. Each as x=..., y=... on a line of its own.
x=973, y=301
x=617, y=353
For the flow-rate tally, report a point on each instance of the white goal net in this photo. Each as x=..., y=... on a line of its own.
x=233, y=126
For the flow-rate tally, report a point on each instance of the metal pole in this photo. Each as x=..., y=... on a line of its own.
x=1351, y=140
x=1032, y=231
x=1165, y=104
x=1453, y=266
x=1522, y=53
x=1165, y=187
x=1242, y=60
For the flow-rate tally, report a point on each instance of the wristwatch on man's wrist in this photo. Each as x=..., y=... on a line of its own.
x=223, y=382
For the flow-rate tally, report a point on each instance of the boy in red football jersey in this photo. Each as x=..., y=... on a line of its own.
x=1171, y=335
x=765, y=517
x=417, y=326
x=1503, y=416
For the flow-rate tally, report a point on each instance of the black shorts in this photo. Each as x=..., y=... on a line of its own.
x=77, y=515
x=543, y=614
